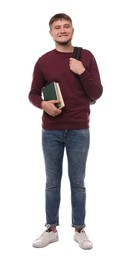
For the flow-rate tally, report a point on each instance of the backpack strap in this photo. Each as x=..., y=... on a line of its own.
x=77, y=55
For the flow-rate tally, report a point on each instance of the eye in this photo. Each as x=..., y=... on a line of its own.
x=67, y=26
x=57, y=27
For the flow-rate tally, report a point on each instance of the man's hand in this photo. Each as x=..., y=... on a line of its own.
x=76, y=66
x=50, y=108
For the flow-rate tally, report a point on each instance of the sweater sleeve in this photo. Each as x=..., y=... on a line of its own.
x=91, y=81
x=38, y=82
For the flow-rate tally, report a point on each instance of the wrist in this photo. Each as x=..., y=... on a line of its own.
x=43, y=104
x=81, y=71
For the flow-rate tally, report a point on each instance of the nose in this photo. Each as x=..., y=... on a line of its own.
x=62, y=30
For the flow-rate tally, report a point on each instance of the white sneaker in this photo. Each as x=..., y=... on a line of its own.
x=45, y=239
x=83, y=240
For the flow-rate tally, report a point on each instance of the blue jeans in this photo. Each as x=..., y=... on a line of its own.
x=76, y=143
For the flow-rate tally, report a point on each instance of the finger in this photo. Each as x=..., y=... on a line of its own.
x=71, y=59
x=55, y=101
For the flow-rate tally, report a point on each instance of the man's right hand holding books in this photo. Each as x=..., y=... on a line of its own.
x=50, y=108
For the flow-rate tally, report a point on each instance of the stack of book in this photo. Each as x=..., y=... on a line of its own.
x=52, y=91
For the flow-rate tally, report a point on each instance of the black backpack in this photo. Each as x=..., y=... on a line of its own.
x=76, y=55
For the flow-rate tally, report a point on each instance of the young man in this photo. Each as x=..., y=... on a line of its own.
x=66, y=128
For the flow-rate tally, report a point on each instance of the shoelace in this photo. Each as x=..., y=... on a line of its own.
x=83, y=232
x=47, y=230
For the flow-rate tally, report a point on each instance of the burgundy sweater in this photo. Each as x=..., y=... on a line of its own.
x=54, y=66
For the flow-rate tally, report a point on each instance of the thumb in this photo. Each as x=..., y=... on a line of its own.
x=55, y=101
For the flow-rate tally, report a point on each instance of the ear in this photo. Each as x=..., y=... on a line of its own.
x=50, y=32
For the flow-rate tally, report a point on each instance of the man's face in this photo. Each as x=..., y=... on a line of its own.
x=62, y=31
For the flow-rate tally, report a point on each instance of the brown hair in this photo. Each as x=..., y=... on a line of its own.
x=59, y=17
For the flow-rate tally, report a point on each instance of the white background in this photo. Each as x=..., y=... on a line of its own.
x=103, y=27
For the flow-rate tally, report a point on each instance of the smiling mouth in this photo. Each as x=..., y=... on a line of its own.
x=63, y=35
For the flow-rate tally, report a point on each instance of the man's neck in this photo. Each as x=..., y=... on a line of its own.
x=64, y=48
